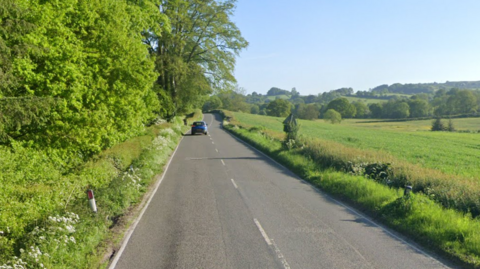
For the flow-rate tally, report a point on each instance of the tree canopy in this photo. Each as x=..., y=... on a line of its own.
x=85, y=75
x=277, y=91
x=197, y=56
x=332, y=116
x=278, y=108
x=88, y=56
x=343, y=106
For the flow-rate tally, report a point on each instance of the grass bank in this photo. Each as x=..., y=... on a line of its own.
x=446, y=231
x=45, y=219
x=442, y=165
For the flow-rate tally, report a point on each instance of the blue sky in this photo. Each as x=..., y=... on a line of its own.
x=318, y=46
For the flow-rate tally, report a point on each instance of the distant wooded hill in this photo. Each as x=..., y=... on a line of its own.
x=425, y=87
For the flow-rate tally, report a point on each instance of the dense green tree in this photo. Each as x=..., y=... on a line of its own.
x=396, y=109
x=233, y=101
x=295, y=94
x=450, y=127
x=344, y=91
x=299, y=110
x=279, y=108
x=254, y=109
x=326, y=97
x=343, y=106
x=419, y=108
x=332, y=116
x=307, y=112
x=214, y=102
x=362, y=110
x=461, y=102
x=197, y=56
x=94, y=64
x=376, y=109
x=277, y=91
x=312, y=111
x=401, y=110
x=310, y=99
x=437, y=125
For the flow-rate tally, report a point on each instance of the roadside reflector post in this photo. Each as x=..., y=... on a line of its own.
x=407, y=191
x=91, y=200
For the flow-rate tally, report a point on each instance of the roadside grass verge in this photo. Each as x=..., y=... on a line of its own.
x=451, y=233
x=45, y=219
x=353, y=150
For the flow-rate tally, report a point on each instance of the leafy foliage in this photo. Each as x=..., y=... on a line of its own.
x=343, y=106
x=198, y=55
x=277, y=91
x=437, y=125
x=332, y=116
x=278, y=108
x=24, y=118
x=87, y=55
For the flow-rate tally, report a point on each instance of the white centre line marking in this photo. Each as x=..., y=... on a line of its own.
x=234, y=184
x=222, y=162
x=270, y=242
x=262, y=231
x=213, y=142
x=216, y=150
x=280, y=256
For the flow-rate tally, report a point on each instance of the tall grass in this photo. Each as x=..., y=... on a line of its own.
x=445, y=230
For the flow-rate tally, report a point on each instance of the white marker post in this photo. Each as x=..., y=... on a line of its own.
x=91, y=201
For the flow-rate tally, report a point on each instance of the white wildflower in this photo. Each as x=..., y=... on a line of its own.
x=70, y=228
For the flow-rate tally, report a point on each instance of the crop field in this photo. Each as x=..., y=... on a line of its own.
x=450, y=152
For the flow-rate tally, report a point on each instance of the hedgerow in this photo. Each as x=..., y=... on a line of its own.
x=45, y=220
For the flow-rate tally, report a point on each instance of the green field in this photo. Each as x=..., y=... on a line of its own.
x=452, y=153
x=367, y=100
x=364, y=100
x=274, y=97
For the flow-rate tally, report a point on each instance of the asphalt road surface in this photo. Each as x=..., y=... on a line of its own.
x=222, y=204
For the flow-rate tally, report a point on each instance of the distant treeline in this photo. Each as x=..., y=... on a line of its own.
x=425, y=87
x=278, y=102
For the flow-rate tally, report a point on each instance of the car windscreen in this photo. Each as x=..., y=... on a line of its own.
x=198, y=123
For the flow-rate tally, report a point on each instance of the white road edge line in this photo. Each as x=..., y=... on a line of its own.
x=130, y=230
x=340, y=203
x=271, y=243
x=234, y=184
x=223, y=162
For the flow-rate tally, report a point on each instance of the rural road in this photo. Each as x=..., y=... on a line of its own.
x=222, y=204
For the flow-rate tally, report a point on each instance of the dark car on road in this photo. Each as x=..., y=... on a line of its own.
x=199, y=127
